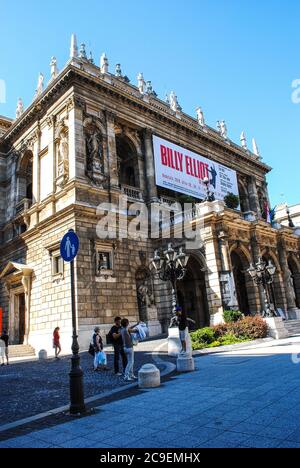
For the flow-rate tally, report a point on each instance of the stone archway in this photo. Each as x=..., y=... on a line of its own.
x=275, y=288
x=24, y=177
x=191, y=293
x=242, y=280
x=127, y=161
x=295, y=279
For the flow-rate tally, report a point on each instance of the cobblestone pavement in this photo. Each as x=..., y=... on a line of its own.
x=244, y=398
x=34, y=387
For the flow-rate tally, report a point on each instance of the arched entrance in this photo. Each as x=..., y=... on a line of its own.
x=127, y=161
x=275, y=288
x=295, y=279
x=242, y=280
x=191, y=293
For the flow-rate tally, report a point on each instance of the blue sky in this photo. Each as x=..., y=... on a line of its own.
x=235, y=58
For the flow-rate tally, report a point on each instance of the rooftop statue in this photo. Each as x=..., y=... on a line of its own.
x=243, y=141
x=20, y=108
x=141, y=83
x=40, y=85
x=174, y=102
x=53, y=68
x=118, y=71
x=104, y=63
x=200, y=117
x=223, y=129
x=82, y=52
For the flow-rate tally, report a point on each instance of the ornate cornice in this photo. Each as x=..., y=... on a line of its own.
x=126, y=93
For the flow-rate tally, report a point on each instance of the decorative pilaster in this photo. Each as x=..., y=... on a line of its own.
x=253, y=196
x=36, y=165
x=229, y=297
x=214, y=295
x=112, y=150
x=256, y=254
x=286, y=274
x=150, y=168
x=26, y=282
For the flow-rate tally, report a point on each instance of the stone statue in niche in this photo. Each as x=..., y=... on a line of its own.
x=62, y=154
x=290, y=281
x=94, y=149
x=145, y=295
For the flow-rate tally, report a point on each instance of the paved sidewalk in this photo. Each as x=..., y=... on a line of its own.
x=33, y=387
x=245, y=398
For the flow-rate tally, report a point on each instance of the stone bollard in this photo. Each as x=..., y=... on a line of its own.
x=149, y=376
x=185, y=363
x=42, y=354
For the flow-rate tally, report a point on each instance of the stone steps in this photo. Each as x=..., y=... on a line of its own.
x=293, y=327
x=18, y=351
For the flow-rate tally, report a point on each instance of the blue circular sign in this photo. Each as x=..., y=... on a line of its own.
x=69, y=246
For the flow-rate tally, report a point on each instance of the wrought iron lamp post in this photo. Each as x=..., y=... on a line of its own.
x=170, y=265
x=263, y=274
x=210, y=196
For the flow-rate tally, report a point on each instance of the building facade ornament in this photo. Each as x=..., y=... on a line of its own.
x=53, y=68
x=243, y=141
x=62, y=153
x=200, y=117
x=141, y=83
x=20, y=108
x=104, y=64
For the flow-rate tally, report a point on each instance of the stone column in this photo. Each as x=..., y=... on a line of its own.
x=150, y=168
x=288, y=288
x=141, y=168
x=214, y=295
x=36, y=166
x=253, y=196
x=52, y=154
x=256, y=253
x=72, y=139
x=229, y=297
x=112, y=150
x=13, y=187
x=26, y=282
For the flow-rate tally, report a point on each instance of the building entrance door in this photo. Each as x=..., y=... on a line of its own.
x=21, y=307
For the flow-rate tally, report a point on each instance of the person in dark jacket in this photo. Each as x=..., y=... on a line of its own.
x=117, y=342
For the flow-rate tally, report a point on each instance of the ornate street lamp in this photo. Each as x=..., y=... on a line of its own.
x=210, y=196
x=263, y=274
x=170, y=265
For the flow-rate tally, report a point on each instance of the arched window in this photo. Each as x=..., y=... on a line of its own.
x=24, y=178
x=127, y=159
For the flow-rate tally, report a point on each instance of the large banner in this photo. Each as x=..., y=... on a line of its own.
x=183, y=171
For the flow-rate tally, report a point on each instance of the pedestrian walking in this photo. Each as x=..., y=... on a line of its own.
x=100, y=356
x=117, y=343
x=56, y=342
x=4, y=339
x=182, y=321
x=126, y=333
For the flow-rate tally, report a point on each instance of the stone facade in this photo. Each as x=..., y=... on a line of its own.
x=85, y=140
